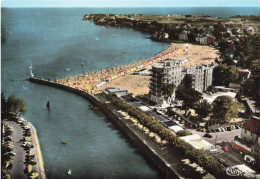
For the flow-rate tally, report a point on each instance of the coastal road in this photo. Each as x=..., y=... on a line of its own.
x=18, y=164
x=219, y=139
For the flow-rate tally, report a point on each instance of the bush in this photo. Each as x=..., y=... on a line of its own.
x=183, y=133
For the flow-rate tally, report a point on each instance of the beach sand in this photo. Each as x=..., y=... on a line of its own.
x=137, y=84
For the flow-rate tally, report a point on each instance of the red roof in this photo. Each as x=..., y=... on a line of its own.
x=253, y=125
x=212, y=37
x=231, y=45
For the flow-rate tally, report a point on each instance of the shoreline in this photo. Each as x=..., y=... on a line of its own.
x=122, y=76
x=89, y=81
x=39, y=153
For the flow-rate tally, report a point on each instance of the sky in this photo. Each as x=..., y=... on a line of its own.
x=130, y=3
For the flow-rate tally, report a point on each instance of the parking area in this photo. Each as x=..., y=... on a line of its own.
x=218, y=137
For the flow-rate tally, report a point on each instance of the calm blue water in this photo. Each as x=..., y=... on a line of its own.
x=209, y=11
x=54, y=39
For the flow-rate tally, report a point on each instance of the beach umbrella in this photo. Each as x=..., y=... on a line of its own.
x=193, y=165
x=186, y=161
x=29, y=168
x=151, y=134
x=163, y=142
x=157, y=139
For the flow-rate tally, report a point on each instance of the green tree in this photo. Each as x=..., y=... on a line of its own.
x=189, y=96
x=219, y=30
x=222, y=45
x=224, y=109
x=256, y=76
x=203, y=108
x=192, y=37
x=234, y=31
x=168, y=90
x=3, y=104
x=224, y=74
x=15, y=105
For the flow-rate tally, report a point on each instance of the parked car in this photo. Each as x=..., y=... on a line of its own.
x=11, y=153
x=228, y=128
x=232, y=128
x=225, y=148
x=237, y=126
x=213, y=151
x=10, y=166
x=208, y=135
x=220, y=129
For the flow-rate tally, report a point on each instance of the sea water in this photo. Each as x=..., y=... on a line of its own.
x=54, y=40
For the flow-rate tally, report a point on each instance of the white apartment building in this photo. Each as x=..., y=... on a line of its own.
x=170, y=71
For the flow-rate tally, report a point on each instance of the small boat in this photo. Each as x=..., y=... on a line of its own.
x=94, y=107
x=69, y=172
x=64, y=142
x=46, y=170
x=48, y=105
x=67, y=69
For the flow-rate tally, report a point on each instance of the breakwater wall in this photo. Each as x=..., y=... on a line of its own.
x=148, y=152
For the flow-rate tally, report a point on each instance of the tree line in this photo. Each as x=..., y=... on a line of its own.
x=201, y=157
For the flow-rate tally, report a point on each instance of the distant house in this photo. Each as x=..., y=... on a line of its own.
x=203, y=39
x=251, y=131
x=211, y=40
x=230, y=48
x=184, y=35
x=229, y=30
x=117, y=91
x=249, y=29
x=226, y=89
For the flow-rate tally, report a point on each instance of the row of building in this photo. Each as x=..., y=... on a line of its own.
x=170, y=71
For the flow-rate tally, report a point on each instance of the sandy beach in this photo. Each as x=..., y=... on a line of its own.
x=122, y=77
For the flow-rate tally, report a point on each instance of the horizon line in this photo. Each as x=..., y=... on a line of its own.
x=130, y=7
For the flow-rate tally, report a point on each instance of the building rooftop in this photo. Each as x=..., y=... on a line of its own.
x=211, y=97
x=253, y=125
x=176, y=128
x=252, y=105
x=113, y=90
x=197, y=142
